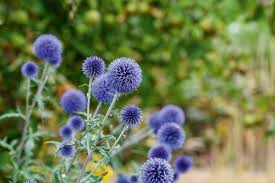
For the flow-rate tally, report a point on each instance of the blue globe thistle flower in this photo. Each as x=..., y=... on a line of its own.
x=130, y=116
x=171, y=135
x=122, y=179
x=134, y=178
x=56, y=62
x=176, y=176
x=125, y=74
x=102, y=89
x=66, y=132
x=77, y=123
x=154, y=121
x=157, y=170
x=29, y=69
x=48, y=48
x=66, y=150
x=160, y=151
x=73, y=101
x=172, y=114
x=183, y=163
x=93, y=66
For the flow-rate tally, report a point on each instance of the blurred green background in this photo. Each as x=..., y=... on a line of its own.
x=214, y=58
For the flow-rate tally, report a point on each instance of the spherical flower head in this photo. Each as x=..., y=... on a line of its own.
x=130, y=116
x=172, y=114
x=29, y=69
x=103, y=90
x=56, y=61
x=73, y=101
x=66, y=150
x=93, y=66
x=122, y=179
x=183, y=163
x=154, y=122
x=48, y=48
x=157, y=170
x=160, y=151
x=76, y=123
x=134, y=178
x=171, y=135
x=126, y=75
x=66, y=132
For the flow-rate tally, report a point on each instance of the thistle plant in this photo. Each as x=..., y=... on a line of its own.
x=90, y=137
x=48, y=49
x=166, y=125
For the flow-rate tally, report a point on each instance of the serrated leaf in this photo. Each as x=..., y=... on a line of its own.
x=12, y=115
x=56, y=177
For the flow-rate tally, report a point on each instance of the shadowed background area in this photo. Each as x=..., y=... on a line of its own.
x=213, y=58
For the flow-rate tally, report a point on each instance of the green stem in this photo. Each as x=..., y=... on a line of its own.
x=29, y=110
x=96, y=110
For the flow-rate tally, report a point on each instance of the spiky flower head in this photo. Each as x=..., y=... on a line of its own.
x=76, y=123
x=48, y=48
x=93, y=66
x=130, y=116
x=66, y=150
x=157, y=170
x=123, y=179
x=172, y=114
x=160, y=151
x=154, y=122
x=103, y=90
x=126, y=75
x=171, y=135
x=29, y=69
x=73, y=101
x=66, y=132
x=134, y=178
x=183, y=163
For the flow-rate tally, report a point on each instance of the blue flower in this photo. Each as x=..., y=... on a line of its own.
x=66, y=132
x=125, y=74
x=171, y=135
x=66, y=150
x=102, y=89
x=182, y=164
x=29, y=69
x=157, y=170
x=154, y=122
x=130, y=116
x=93, y=66
x=56, y=62
x=48, y=48
x=172, y=114
x=122, y=179
x=134, y=178
x=73, y=101
x=77, y=123
x=160, y=151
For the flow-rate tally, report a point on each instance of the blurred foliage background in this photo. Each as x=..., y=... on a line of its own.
x=214, y=58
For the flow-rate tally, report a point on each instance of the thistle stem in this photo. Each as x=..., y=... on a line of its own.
x=98, y=136
x=106, y=117
x=29, y=110
x=96, y=110
x=89, y=99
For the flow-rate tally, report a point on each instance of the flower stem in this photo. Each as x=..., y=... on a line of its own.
x=98, y=136
x=29, y=110
x=84, y=166
x=96, y=110
x=89, y=99
x=106, y=117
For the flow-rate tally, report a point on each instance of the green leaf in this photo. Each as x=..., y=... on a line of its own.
x=12, y=115
x=57, y=177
